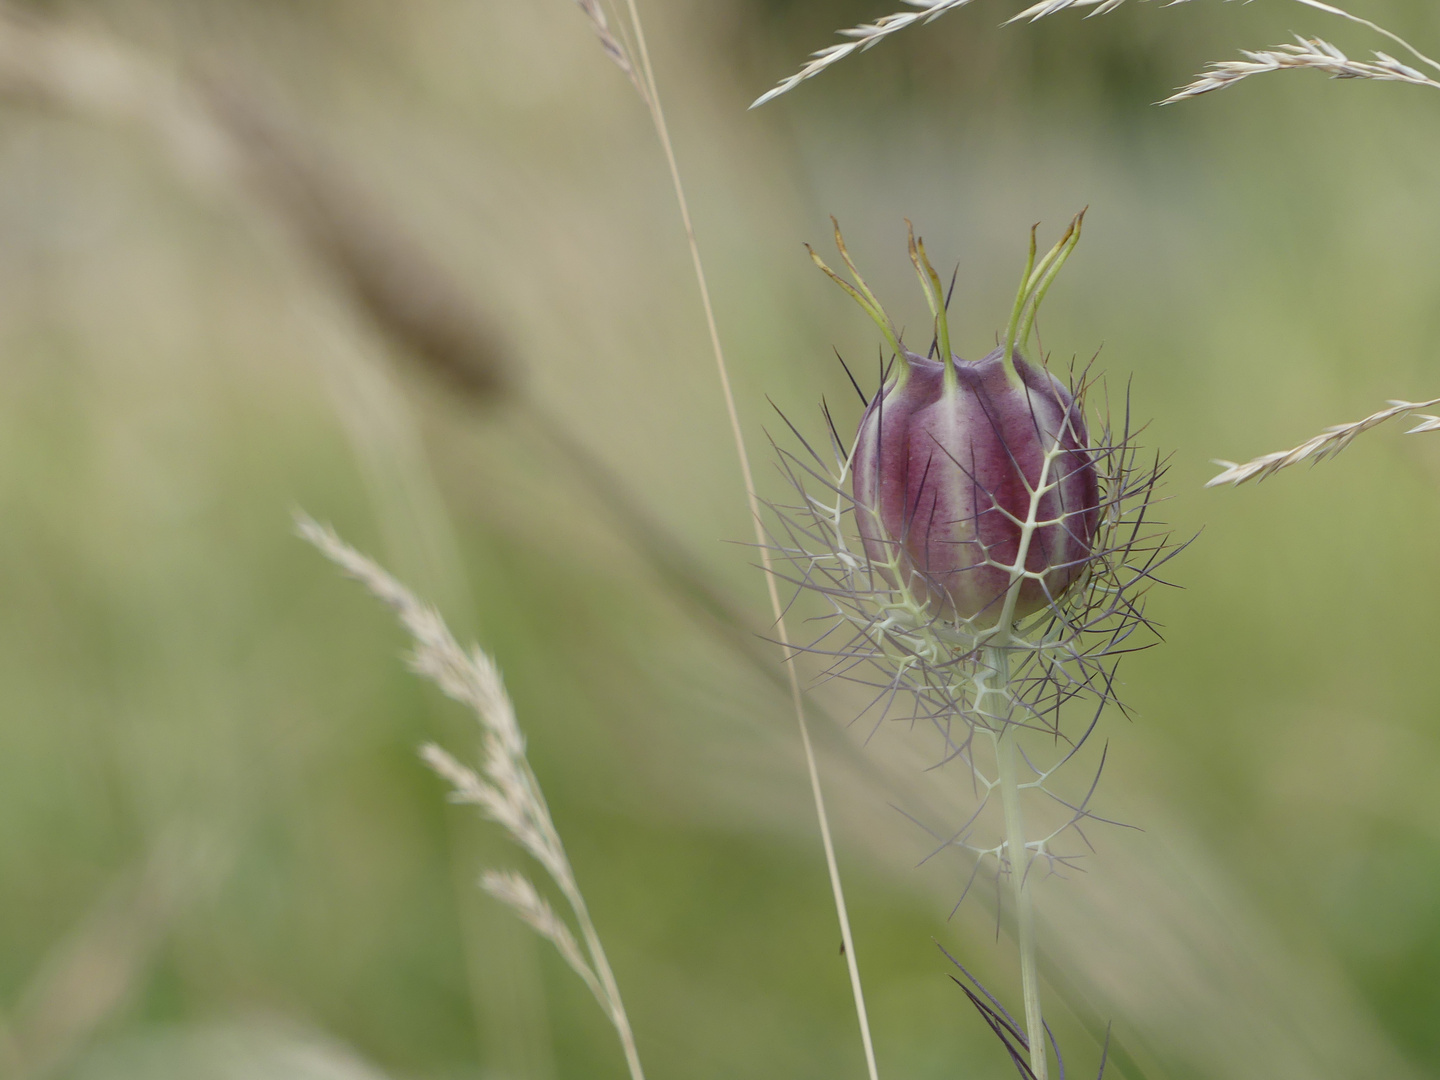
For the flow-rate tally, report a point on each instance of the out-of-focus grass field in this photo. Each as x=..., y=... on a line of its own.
x=212, y=816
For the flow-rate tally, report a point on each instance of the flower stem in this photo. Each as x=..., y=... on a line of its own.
x=1018, y=856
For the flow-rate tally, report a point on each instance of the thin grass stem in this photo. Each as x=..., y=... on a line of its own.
x=662, y=131
x=600, y=964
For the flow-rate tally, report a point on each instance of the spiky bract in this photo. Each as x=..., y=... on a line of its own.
x=1060, y=575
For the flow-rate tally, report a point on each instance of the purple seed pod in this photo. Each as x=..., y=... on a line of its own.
x=979, y=527
x=973, y=475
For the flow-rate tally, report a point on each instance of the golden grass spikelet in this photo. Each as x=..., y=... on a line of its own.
x=515, y=891
x=862, y=37
x=614, y=47
x=1314, y=54
x=508, y=793
x=1328, y=443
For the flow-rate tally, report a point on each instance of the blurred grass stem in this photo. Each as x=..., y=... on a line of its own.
x=600, y=963
x=651, y=95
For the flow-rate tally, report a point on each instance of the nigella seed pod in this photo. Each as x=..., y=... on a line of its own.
x=973, y=476
x=976, y=495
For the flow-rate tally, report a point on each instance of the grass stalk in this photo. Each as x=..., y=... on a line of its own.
x=599, y=963
x=650, y=92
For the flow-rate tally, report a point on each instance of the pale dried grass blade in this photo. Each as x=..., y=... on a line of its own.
x=862, y=37
x=1327, y=444
x=466, y=785
x=1051, y=7
x=509, y=792
x=517, y=893
x=613, y=46
x=1309, y=52
x=1314, y=54
x=1428, y=423
x=1331, y=9
x=470, y=678
x=507, y=803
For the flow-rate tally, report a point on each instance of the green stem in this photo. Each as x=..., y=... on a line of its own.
x=1055, y=260
x=1033, y=286
x=1019, y=309
x=935, y=297
x=1018, y=855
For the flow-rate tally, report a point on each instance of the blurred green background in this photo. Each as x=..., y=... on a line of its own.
x=219, y=854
